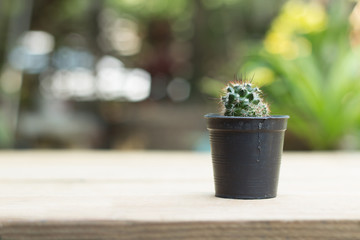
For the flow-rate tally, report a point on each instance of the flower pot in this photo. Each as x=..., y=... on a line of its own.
x=246, y=155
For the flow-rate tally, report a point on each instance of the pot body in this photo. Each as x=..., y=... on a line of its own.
x=246, y=155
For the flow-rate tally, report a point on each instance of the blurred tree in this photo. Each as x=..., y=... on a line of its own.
x=16, y=18
x=177, y=41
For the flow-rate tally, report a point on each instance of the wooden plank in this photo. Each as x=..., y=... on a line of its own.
x=169, y=195
x=344, y=230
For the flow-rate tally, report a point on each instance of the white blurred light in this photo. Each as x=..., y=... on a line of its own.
x=125, y=37
x=31, y=52
x=37, y=42
x=116, y=82
x=178, y=90
x=109, y=62
x=138, y=85
x=110, y=83
x=122, y=34
x=79, y=83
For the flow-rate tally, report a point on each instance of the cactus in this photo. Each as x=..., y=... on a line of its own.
x=241, y=99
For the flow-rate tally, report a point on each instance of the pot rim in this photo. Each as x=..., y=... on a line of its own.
x=215, y=115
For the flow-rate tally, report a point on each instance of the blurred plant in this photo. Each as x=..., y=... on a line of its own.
x=145, y=8
x=240, y=98
x=311, y=72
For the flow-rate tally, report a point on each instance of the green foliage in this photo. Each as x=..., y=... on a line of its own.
x=244, y=100
x=145, y=8
x=319, y=88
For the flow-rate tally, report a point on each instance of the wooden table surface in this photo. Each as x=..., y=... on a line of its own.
x=170, y=195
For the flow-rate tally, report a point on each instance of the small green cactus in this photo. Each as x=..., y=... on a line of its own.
x=241, y=99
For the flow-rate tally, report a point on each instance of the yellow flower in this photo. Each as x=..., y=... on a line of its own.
x=296, y=17
x=278, y=43
x=306, y=16
x=284, y=25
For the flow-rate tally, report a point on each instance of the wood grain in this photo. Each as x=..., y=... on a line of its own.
x=345, y=230
x=169, y=195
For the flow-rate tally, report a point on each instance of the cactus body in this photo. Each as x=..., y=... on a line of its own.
x=241, y=99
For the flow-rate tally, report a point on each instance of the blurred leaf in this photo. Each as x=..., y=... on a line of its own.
x=319, y=91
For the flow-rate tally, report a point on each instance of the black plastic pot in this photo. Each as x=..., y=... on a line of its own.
x=246, y=155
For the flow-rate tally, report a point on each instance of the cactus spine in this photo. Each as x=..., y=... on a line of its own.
x=241, y=99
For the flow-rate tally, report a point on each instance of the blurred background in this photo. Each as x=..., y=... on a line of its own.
x=140, y=74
